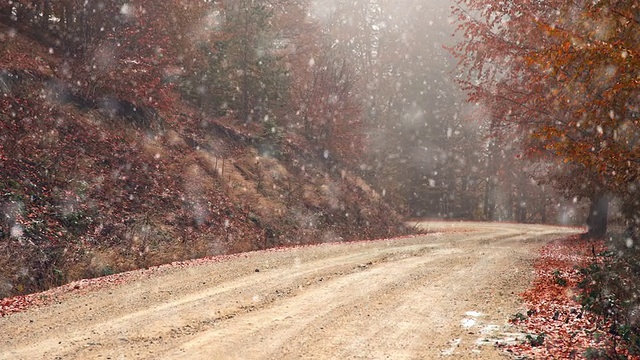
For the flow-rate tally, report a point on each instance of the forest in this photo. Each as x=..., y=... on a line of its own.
x=136, y=133
x=364, y=80
x=141, y=132
x=560, y=79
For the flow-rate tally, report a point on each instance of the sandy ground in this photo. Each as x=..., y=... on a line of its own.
x=445, y=295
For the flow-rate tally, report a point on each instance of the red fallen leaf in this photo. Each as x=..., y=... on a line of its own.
x=566, y=335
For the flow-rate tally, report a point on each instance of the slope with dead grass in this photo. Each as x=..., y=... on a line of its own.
x=92, y=185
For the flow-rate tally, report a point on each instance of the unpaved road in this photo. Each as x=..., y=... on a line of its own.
x=436, y=296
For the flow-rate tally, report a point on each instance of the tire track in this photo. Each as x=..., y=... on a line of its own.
x=395, y=298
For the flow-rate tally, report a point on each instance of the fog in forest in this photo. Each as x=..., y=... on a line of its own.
x=141, y=133
x=428, y=150
x=133, y=127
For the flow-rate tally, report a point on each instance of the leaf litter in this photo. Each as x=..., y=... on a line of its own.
x=556, y=325
x=20, y=303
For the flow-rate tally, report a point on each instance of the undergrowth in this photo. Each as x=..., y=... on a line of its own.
x=611, y=289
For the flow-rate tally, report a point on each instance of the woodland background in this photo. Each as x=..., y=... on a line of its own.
x=141, y=132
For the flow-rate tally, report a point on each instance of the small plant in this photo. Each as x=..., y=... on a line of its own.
x=559, y=280
x=107, y=270
x=536, y=340
x=76, y=222
x=600, y=354
x=518, y=317
x=595, y=354
x=609, y=289
x=58, y=276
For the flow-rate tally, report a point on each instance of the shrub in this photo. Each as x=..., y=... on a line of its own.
x=611, y=288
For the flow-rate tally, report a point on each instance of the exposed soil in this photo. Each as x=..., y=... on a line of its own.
x=448, y=294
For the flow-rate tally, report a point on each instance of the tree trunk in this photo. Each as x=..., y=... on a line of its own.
x=6, y=11
x=245, y=113
x=46, y=14
x=23, y=15
x=492, y=170
x=523, y=200
x=598, y=216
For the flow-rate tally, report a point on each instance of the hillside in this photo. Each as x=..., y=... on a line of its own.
x=92, y=185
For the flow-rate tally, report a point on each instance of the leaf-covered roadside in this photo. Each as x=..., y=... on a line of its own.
x=19, y=303
x=557, y=324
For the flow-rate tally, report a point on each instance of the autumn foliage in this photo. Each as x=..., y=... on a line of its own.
x=124, y=147
x=556, y=323
x=564, y=75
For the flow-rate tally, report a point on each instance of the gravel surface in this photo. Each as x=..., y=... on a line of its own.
x=448, y=294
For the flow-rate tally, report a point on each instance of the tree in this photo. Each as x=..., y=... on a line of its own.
x=415, y=141
x=323, y=99
x=244, y=73
x=567, y=84
x=155, y=42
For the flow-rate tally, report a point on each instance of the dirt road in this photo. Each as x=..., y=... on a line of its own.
x=443, y=295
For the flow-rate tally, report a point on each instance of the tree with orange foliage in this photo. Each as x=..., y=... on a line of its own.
x=564, y=74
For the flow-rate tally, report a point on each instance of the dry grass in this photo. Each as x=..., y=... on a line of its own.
x=102, y=196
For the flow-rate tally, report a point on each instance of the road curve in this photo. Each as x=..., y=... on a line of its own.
x=443, y=295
